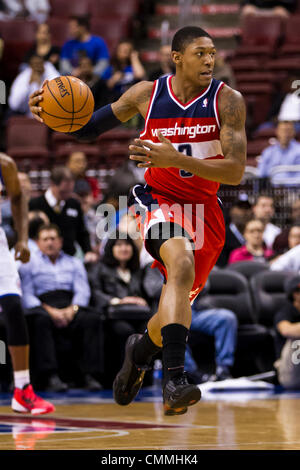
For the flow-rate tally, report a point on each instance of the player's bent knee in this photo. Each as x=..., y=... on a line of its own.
x=182, y=271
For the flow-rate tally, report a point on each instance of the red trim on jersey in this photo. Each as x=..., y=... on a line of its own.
x=178, y=100
x=217, y=104
x=149, y=106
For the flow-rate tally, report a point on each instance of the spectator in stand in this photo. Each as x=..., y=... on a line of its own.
x=254, y=248
x=83, y=43
x=43, y=46
x=30, y=79
x=65, y=211
x=263, y=210
x=125, y=69
x=281, y=8
x=31, y=9
x=35, y=220
x=220, y=323
x=117, y=284
x=77, y=164
x=281, y=243
x=287, y=325
x=293, y=239
x=56, y=294
x=289, y=261
x=240, y=212
x=285, y=152
x=224, y=72
x=1, y=47
x=166, y=66
x=97, y=85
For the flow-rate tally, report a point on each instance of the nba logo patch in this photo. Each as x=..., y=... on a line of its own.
x=204, y=104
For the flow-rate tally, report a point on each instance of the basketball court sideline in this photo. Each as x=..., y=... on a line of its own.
x=256, y=420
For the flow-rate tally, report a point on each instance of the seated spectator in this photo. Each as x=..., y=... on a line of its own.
x=289, y=261
x=35, y=220
x=32, y=9
x=166, y=65
x=254, y=248
x=220, y=323
x=77, y=164
x=281, y=242
x=224, y=72
x=287, y=325
x=268, y=7
x=263, y=210
x=293, y=239
x=125, y=69
x=97, y=85
x=83, y=43
x=285, y=152
x=43, y=46
x=240, y=212
x=56, y=296
x=28, y=81
x=117, y=286
x=65, y=211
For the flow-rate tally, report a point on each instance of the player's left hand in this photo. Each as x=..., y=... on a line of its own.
x=160, y=155
x=22, y=252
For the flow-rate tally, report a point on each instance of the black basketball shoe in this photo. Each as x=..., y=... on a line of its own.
x=130, y=378
x=178, y=394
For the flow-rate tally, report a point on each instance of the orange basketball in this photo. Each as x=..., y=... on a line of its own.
x=68, y=104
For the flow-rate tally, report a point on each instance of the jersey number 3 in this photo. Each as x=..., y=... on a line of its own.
x=187, y=149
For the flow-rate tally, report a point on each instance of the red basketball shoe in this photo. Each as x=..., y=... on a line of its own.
x=26, y=401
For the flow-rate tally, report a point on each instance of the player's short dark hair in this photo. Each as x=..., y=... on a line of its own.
x=186, y=35
x=82, y=20
x=44, y=227
x=59, y=174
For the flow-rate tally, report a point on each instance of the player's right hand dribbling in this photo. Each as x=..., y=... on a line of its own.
x=34, y=102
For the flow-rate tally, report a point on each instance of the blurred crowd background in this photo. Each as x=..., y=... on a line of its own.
x=111, y=46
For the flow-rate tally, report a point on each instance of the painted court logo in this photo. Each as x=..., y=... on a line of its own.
x=191, y=131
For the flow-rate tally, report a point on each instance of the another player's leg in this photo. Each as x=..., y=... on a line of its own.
x=24, y=399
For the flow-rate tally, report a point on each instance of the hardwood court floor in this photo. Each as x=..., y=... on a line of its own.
x=258, y=424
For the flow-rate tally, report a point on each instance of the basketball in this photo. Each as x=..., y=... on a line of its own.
x=68, y=104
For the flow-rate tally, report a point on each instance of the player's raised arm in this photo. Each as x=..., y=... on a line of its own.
x=133, y=101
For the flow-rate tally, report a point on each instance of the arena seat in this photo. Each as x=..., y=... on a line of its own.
x=260, y=35
x=291, y=45
x=121, y=8
x=111, y=28
x=244, y=64
x=59, y=30
x=20, y=143
x=65, y=8
x=255, y=147
x=119, y=134
x=268, y=294
x=248, y=268
x=255, y=344
x=18, y=36
x=283, y=64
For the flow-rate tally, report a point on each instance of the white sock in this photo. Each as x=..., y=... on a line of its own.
x=21, y=378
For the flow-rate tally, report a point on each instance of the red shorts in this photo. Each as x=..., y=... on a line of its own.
x=202, y=223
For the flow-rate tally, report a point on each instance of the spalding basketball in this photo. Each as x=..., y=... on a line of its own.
x=67, y=104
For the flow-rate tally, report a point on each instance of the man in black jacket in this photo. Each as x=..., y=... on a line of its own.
x=65, y=212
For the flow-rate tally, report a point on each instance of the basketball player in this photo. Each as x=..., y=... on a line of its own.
x=24, y=399
x=204, y=121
